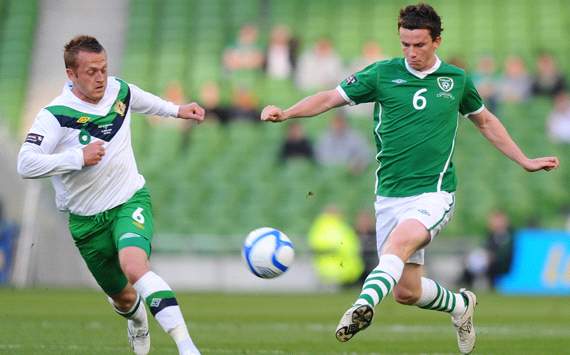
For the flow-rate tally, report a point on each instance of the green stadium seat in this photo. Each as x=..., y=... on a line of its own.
x=236, y=165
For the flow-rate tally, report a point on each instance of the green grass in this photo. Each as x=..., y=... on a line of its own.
x=41, y=321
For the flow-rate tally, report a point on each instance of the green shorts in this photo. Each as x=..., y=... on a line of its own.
x=101, y=236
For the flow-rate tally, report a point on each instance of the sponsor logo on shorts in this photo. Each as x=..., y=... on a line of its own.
x=425, y=212
x=129, y=235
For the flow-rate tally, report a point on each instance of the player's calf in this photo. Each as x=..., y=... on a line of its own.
x=137, y=326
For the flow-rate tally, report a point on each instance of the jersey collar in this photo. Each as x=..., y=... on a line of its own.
x=80, y=105
x=424, y=73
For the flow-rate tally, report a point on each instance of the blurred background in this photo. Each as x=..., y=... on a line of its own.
x=213, y=183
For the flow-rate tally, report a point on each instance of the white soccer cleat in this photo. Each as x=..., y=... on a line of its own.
x=354, y=320
x=464, y=327
x=139, y=337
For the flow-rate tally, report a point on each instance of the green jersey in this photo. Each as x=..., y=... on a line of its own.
x=415, y=122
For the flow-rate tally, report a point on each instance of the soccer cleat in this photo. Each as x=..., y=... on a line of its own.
x=354, y=320
x=464, y=327
x=139, y=338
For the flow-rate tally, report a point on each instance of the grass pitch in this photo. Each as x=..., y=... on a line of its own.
x=46, y=321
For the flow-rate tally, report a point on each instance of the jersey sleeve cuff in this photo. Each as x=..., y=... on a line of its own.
x=345, y=96
x=173, y=109
x=475, y=112
x=76, y=158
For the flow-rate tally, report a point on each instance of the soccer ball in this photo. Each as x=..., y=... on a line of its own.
x=268, y=252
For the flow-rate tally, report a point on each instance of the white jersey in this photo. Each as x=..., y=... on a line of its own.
x=53, y=146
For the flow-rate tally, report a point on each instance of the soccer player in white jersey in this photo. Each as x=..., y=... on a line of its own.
x=417, y=100
x=82, y=139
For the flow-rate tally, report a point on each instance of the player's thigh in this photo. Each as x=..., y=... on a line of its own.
x=434, y=210
x=386, y=210
x=134, y=225
x=97, y=248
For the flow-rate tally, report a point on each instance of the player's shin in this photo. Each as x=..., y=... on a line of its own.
x=381, y=280
x=164, y=307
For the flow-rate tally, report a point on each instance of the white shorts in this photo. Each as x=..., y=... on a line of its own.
x=432, y=209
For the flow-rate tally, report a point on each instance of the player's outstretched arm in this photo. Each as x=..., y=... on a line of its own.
x=494, y=131
x=191, y=111
x=309, y=106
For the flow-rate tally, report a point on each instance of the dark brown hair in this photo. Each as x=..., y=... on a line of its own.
x=420, y=16
x=77, y=44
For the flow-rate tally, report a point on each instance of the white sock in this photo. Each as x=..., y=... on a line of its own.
x=183, y=340
x=137, y=313
x=163, y=306
x=437, y=298
x=381, y=280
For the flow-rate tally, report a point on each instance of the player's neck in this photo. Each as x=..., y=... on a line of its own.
x=429, y=64
x=75, y=91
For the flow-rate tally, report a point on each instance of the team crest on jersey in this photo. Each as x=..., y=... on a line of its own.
x=84, y=136
x=445, y=83
x=120, y=108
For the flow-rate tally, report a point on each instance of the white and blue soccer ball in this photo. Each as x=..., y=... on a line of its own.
x=268, y=252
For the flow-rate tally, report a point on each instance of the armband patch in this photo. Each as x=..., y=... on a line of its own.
x=351, y=80
x=34, y=138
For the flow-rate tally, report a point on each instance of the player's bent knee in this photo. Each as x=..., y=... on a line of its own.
x=405, y=296
x=133, y=272
x=125, y=299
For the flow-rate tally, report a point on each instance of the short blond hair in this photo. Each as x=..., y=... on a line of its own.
x=78, y=44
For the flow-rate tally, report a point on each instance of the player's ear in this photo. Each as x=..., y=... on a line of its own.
x=437, y=41
x=71, y=75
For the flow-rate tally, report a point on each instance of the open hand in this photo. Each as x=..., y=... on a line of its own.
x=543, y=163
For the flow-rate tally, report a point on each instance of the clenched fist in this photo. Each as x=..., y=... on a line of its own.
x=191, y=111
x=273, y=114
x=93, y=153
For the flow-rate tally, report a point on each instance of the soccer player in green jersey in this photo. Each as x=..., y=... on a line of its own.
x=417, y=100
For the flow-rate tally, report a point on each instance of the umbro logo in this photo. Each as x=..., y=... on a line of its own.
x=399, y=81
x=424, y=212
x=129, y=235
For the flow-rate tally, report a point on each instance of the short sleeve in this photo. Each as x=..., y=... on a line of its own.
x=471, y=102
x=361, y=86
